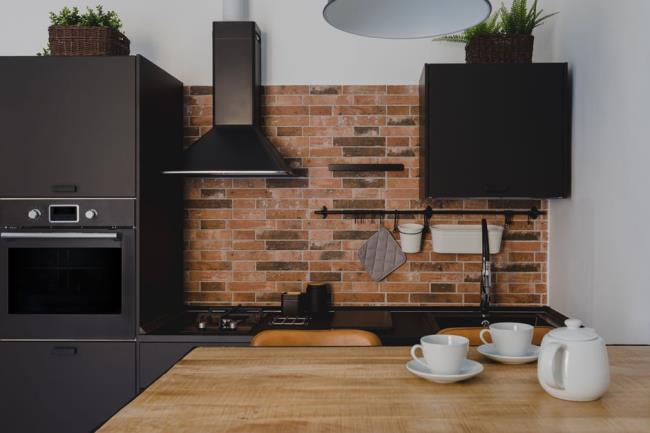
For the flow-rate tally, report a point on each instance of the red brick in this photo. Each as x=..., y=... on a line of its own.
x=286, y=90
x=247, y=240
x=365, y=90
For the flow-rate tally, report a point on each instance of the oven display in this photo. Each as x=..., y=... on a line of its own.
x=60, y=213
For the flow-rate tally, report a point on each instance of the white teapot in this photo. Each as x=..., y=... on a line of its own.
x=573, y=363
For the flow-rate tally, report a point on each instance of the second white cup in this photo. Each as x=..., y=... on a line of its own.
x=443, y=354
x=509, y=338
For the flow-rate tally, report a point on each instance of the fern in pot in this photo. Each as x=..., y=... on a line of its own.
x=505, y=37
x=92, y=33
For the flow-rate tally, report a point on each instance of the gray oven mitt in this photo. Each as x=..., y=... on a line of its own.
x=381, y=255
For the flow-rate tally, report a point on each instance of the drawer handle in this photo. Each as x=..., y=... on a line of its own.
x=495, y=188
x=64, y=188
x=53, y=235
x=64, y=351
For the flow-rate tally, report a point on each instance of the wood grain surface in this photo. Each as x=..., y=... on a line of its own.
x=284, y=390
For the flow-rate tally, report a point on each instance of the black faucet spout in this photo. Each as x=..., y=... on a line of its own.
x=486, y=273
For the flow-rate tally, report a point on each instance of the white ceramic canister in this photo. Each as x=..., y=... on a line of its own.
x=411, y=237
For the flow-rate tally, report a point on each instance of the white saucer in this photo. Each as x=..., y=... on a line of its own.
x=489, y=350
x=469, y=369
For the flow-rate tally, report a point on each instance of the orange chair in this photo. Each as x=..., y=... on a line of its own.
x=472, y=334
x=324, y=338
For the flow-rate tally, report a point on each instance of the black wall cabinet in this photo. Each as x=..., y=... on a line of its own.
x=68, y=126
x=495, y=130
x=54, y=387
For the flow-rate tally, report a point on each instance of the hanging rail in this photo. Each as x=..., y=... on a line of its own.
x=428, y=212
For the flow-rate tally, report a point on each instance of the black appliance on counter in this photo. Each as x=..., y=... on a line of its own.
x=315, y=302
x=90, y=232
x=319, y=299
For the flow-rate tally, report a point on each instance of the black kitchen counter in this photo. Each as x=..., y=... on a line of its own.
x=405, y=324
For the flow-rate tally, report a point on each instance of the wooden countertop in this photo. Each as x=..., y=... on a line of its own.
x=284, y=390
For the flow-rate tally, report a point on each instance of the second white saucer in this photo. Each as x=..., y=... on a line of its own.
x=489, y=351
x=469, y=369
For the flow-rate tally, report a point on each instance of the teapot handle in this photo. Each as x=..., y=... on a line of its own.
x=547, y=365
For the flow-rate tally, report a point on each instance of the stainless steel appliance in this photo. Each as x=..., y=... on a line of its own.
x=67, y=269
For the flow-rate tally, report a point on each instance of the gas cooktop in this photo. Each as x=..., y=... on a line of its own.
x=232, y=321
x=251, y=320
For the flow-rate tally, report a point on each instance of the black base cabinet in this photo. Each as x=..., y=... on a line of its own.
x=158, y=357
x=71, y=387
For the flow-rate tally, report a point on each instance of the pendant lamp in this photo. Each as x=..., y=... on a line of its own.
x=405, y=19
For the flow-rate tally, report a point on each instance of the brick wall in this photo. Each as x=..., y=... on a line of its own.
x=248, y=240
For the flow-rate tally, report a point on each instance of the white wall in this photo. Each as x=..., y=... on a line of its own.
x=600, y=237
x=600, y=247
x=299, y=46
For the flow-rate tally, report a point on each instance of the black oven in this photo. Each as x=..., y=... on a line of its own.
x=71, y=282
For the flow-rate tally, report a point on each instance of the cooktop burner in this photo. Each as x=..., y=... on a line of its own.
x=236, y=320
x=290, y=321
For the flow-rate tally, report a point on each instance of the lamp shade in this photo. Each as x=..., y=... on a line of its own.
x=405, y=19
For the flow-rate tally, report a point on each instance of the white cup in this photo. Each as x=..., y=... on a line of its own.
x=443, y=354
x=509, y=338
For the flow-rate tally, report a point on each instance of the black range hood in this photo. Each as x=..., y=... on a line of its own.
x=235, y=146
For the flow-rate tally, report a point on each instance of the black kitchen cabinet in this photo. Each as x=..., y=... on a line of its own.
x=68, y=126
x=495, y=130
x=82, y=128
x=70, y=387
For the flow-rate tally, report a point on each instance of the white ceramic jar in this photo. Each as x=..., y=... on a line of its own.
x=573, y=363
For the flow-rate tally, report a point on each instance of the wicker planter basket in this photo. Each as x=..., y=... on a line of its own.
x=500, y=49
x=87, y=41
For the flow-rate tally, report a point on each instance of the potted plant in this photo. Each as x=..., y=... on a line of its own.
x=505, y=37
x=93, y=33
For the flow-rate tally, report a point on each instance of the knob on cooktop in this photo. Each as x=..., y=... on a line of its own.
x=34, y=214
x=91, y=214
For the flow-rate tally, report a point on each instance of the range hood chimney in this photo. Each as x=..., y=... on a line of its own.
x=235, y=10
x=235, y=146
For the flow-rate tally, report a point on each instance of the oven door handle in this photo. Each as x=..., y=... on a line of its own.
x=67, y=235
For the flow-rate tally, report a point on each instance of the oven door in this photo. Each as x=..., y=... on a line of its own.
x=67, y=284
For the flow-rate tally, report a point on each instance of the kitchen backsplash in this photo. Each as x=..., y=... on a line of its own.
x=248, y=240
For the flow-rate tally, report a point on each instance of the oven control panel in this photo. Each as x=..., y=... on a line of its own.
x=63, y=213
x=67, y=213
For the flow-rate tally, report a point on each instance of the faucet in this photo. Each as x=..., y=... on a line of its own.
x=486, y=275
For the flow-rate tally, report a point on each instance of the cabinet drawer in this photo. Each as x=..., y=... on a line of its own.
x=64, y=386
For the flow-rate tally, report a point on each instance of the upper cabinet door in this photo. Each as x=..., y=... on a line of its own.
x=496, y=131
x=68, y=126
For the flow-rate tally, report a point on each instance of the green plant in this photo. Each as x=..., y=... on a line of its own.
x=91, y=18
x=66, y=17
x=45, y=51
x=490, y=26
x=519, y=20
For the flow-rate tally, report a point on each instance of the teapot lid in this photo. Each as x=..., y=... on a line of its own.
x=574, y=332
